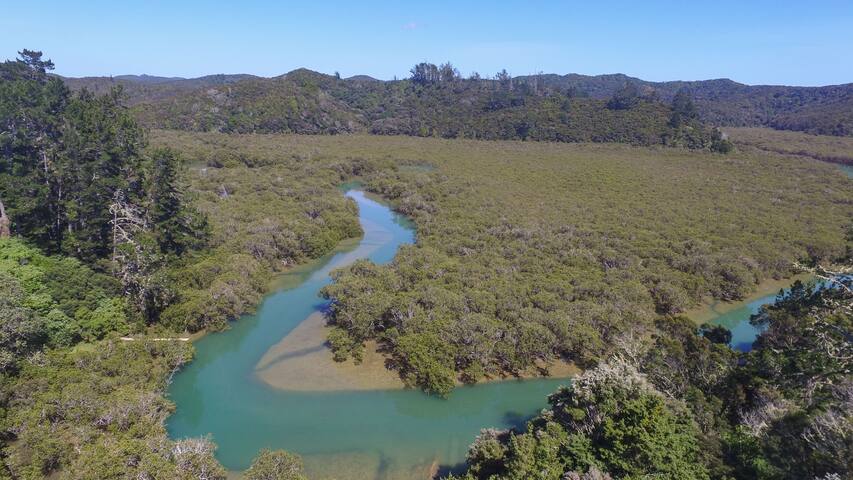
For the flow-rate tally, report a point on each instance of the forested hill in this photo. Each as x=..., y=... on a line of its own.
x=534, y=106
x=826, y=110
x=148, y=88
x=434, y=102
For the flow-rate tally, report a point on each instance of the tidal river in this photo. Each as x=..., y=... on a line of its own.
x=268, y=382
x=232, y=391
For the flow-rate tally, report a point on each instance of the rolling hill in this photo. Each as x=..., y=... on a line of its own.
x=543, y=107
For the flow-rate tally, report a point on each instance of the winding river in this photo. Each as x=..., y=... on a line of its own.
x=358, y=434
x=268, y=382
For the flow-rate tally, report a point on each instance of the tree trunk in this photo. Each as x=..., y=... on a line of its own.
x=5, y=223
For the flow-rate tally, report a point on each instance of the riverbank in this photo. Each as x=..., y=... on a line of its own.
x=711, y=308
x=377, y=433
x=302, y=361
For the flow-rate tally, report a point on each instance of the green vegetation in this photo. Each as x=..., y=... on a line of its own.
x=275, y=465
x=333, y=105
x=53, y=301
x=268, y=209
x=98, y=412
x=533, y=252
x=435, y=102
x=817, y=110
x=820, y=147
x=527, y=253
x=680, y=406
x=611, y=419
x=139, y=258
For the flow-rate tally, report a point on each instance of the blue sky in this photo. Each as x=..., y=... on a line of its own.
x=755, y=42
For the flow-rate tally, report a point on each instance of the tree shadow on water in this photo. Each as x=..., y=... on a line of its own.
x=445, y=470
x=517, y=421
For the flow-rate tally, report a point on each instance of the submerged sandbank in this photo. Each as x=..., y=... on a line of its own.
x=302, y=361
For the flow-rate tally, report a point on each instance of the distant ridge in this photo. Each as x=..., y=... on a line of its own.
x=363, y=78
x=824, y=110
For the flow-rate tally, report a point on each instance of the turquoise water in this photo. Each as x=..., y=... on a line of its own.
x=737, y=320
x=349, y=434
x=353, y=434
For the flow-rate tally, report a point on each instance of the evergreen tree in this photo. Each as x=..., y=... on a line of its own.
x=101, y=158
x=627, y=97
x=30, y=104
x=177, y=227
x=683, y=109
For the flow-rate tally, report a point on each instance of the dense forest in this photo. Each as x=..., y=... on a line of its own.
x=499, y=279
x=435, y=102
x=542, y=106
x=686, y=406
x=117, y=242
x=824, y=110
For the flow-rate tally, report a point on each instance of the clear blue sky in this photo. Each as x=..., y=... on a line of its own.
x=755, y=42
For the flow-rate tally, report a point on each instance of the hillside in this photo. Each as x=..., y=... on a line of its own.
x=362, y=103
x=444, y=106
x=824, y=110
x=147, y=88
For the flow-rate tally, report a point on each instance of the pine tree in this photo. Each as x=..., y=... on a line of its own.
x=177, y=227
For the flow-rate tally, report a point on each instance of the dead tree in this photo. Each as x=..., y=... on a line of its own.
x=5, y=223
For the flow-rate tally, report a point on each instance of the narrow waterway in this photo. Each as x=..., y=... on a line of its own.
x=258, y=385
x=344, y=434
x=735, y=315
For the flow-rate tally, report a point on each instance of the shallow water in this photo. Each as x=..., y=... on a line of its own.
x=735, y=315
x=340, y=434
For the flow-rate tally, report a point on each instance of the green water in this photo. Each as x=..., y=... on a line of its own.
x=363, y=434
x=737, y=319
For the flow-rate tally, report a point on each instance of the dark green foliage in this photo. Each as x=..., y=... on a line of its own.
x=101, y=160
x=610, y=419
x=30, y=104
x=683, y=109
x=92, y=411
x=719, y=143
x=716, y=333
x=177, y=227
x=818, y=110
x=22, y=331
x=69, y=301
x=792, y=397
x=65, y=158
x=780, y=412
x=435, y=102
x=626, y=98
x=98, y=413
x=268, y=208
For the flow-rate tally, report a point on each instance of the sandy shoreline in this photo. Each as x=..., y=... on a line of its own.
x=302, y=361
x=711, y=308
